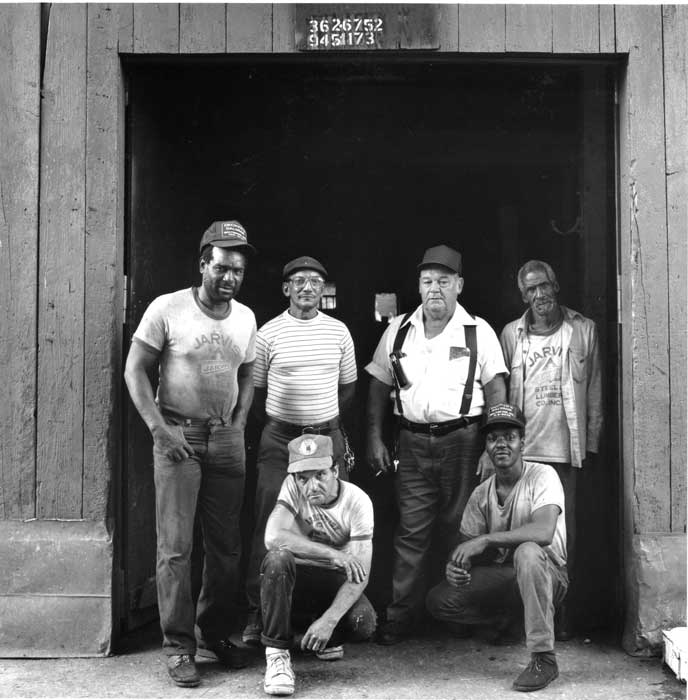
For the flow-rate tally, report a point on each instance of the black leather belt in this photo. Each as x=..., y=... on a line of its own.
x=194, y=422
x=441, y=428
x=295, y=430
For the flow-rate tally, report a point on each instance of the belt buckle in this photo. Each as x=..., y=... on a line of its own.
x=308, y=429
x=433, y=427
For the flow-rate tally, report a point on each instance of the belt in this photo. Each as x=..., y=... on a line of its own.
x=442, y=428
x=194, y=422
x=296, y=430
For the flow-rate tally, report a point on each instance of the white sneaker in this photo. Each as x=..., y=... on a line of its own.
x=279, y=675
x=331, y=653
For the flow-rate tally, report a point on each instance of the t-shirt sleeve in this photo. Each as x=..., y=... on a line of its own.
x=251, y=345
x=288, y=495
x=362, y=518
x=347, y=366
x=489, y=354
x=547, y=488
x=260, y=368
x=379, y=366
x=152, y=329
x=474, y=520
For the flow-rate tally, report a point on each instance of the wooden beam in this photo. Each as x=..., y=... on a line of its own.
x=449, y=27
x=156, y=28
x=59, y=459
x=607, y=29
x=202, y=28
x=529, y=28
x=283, y=29
x=125, y=41
x=249, y=28
x=575, y=29
x=482, y=28
x=675, y=28
x=644, y=261
x=19, y=131
x=103, y=260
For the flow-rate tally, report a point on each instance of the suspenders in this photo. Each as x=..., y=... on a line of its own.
x=471, y=343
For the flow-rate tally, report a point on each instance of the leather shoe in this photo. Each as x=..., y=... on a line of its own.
x=391, y=632
x=182, y=670
x=229, y=654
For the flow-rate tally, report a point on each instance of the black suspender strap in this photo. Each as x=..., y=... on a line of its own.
x=399, y=339
x=472, y=345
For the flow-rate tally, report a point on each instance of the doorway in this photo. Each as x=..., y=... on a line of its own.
x=363, y=163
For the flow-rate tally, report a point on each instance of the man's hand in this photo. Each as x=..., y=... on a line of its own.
x=239, y=421
x=485, y=467
x=456, y=576
x=318, y=634
x=170, y=440
x=354, y=570
x=378, y=455
x=464, y=552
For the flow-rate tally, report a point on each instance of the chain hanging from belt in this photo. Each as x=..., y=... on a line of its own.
x=349, y=456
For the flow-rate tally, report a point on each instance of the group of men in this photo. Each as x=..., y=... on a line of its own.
x=461, y=401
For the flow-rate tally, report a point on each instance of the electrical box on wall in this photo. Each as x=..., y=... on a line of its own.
x=386, y=306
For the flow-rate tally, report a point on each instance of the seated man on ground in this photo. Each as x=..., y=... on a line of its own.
x=319, y=540
x=513, y=546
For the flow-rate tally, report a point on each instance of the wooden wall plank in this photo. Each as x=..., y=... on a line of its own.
x=575, y=29
x=283, y=29
x=125, y=41
x=529, y=28
x=156, y=28
x=607, y=29
x=482, y=28
x=249, y=28
x=103, y=260
x=19, y=133
x=675, y=25
x=202, y=28
x=59, y=459
x=644, y=262
x=449, y=27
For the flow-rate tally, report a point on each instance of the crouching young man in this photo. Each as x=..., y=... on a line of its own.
x=319, y=541
x=513, y=545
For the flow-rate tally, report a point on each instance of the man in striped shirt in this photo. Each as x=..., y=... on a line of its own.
x=305, y=377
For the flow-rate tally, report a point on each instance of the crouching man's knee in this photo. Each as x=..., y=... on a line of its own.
x=528, y=556
x=278, y=562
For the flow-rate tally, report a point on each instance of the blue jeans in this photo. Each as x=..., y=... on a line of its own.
x=436, y=475
x=495, y=589
x=287, y=587
x=212, y=482
x=273, y=459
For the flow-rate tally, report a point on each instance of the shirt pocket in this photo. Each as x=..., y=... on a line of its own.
x=578, y=364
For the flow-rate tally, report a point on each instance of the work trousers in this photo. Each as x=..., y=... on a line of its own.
x=273, y=459
x=212, y=482
x=494, y=592
x=287, y=588
x=435, y=477
x=568, y=476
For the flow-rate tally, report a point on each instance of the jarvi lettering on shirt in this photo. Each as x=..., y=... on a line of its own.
x=214, y=338
x=547, y=351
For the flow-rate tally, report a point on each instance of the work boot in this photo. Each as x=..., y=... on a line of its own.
x=333, y=653
x=229, y=654
x=253, y=629
x=539, y=673
x=391, y=632
x=279, y=675
x=182, y=670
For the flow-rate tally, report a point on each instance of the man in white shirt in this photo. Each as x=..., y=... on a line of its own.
x=319, y=540
x=443, y=367
x=513, y=547
x=305, y=377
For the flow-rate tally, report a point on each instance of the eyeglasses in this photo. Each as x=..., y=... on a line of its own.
x=300, y=282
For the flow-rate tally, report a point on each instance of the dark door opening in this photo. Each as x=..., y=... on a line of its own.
x=363, y=164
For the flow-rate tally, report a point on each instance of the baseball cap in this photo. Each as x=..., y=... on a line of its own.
x=442, y=255
x=226, y=234
x=503, y=414
x=308, y=452
x=305, y=262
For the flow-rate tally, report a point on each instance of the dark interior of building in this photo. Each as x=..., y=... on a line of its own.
x=363, y=164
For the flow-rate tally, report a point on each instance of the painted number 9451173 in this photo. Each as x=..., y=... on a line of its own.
x=344, y=32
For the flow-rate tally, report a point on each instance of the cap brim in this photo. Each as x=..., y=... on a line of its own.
x=502, y=421
x=309, y=465
x=234, y=244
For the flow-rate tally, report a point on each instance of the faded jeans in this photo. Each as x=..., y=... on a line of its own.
x=212, y=481
x=286, y=587
x=494, y=591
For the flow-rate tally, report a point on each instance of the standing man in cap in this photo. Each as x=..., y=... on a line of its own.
x=444, y=367
x=201, y=341
x=513, y=549
x=320, y=544
x=556, y=380
x=305, y=377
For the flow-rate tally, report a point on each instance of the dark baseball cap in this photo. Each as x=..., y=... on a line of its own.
x=503, y=414
x=305, y=262
x=442, y=255
x=226, y=234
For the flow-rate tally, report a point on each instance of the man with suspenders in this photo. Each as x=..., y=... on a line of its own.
x=444, y=368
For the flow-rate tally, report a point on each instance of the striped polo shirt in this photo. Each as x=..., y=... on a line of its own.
x=302, y=363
